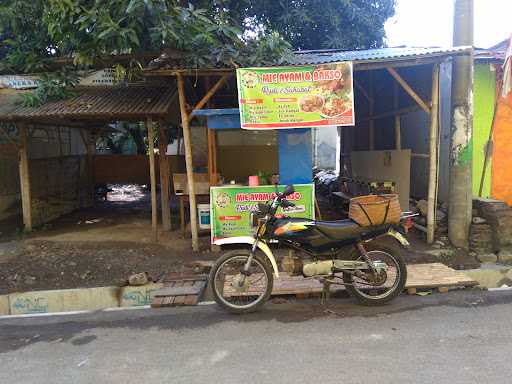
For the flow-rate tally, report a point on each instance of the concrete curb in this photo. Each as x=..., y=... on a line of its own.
x=81, y=299
x=491, y=276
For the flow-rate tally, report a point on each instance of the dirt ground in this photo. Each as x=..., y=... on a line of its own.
x=95, y=247
x=103, y=245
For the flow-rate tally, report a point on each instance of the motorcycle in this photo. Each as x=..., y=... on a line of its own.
x=340, y=252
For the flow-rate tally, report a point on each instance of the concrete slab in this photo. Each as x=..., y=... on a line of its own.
x=137, y=296
x=488, y=277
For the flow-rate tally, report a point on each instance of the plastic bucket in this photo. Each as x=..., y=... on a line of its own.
x=203, y=211
x=254, y=181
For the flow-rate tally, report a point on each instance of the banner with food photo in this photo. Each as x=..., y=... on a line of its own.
x=296, y=97
x=231, y=207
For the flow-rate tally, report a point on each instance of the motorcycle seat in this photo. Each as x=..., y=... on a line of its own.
x=344, y=229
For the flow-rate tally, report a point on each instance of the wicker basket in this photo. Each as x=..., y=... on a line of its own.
x=375, y=210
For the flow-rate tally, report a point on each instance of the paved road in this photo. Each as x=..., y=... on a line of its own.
x=459, y=337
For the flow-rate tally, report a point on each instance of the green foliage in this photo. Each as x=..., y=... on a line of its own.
x=52, y=86
x=203, y=33
x=24, y=41
x=319, y=24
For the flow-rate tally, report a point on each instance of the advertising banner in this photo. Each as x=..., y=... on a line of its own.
x=231, y=207
x=296, y=97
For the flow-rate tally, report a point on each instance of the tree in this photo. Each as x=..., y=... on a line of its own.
x=33, y=34
x=86, y=30
x=320, y=24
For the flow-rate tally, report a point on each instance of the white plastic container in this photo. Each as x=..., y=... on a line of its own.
x=203, y=211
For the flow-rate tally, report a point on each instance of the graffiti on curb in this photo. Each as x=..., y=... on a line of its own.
x=138, y=298
x=31, y=305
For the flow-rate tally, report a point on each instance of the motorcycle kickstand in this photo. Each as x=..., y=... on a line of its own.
x=326, y=292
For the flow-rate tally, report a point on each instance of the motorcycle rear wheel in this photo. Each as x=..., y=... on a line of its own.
x=363, y=293
x=238, y=298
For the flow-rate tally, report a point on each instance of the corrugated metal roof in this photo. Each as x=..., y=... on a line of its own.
x=166, y=62
x=105, y=104
x=330, y=56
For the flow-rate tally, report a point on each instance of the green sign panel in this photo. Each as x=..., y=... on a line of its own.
x=296, y=97
x=231, y=207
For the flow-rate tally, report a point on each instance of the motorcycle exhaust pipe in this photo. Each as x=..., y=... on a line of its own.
x=318, y=268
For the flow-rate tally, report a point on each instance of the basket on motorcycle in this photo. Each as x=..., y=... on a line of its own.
x=375, y=210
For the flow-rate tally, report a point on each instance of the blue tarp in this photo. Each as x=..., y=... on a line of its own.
x=294, y=145
x=295, y=156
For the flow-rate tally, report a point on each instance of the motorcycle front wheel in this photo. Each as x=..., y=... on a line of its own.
x=376, y=290
x=241, y=293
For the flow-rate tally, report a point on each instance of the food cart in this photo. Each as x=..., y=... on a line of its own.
x=270, y=133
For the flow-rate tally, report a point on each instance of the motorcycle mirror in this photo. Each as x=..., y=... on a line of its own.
x=288, y=190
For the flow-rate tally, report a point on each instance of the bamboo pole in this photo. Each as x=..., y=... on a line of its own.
x=432, y=180
x=407, y=88
x=210, y=138
x=371, y=135
x=398, y=133
x=90, y=146
x=24, y=169
x=188, y=161
x=164, y=177
x=208, y=95
x=152, y=175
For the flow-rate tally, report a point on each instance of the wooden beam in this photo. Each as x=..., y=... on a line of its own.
x=363, y=91
x=432, y=179
x=164, y=177
x=371, y=133
x=188, y=162
x=209, y=94
x=398, y=133
x=24, y=169
x=407, y=88
x=187, y=72
x=152, y=175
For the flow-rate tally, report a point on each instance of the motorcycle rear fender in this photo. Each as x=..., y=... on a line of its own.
x=398, y=237
x=250, y=240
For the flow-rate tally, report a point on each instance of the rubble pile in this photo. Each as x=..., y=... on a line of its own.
x=492, y=227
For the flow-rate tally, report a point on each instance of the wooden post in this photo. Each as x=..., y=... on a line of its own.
x=398, y=134
x=188, y=162
x=152, y=175
x=26, y=194
x=432, y=179
x=89, y=142
x=91, y=149
x=212, y=155
x=371, y=133
x=164, y=177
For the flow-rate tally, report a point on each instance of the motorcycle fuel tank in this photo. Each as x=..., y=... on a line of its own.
x=303, y=232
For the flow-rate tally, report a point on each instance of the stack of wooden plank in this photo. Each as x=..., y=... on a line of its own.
x=180, y=289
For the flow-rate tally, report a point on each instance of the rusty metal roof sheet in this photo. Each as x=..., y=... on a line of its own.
x=165, y=62
x=367, y=55
x=101, y=104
